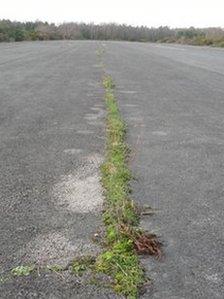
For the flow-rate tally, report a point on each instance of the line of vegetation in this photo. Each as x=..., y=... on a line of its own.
x=21, y=31
x=124, y=239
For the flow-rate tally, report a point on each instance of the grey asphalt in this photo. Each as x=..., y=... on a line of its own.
x=52, y=133
x=52, y=136
x=172, y=98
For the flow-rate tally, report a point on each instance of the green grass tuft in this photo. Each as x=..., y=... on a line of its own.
x=23, y=270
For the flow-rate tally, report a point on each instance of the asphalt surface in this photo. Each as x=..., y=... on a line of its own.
x=172, y=98
x=52, y=136
x=52, y=133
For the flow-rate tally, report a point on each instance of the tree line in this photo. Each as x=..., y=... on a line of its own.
x=31, y=31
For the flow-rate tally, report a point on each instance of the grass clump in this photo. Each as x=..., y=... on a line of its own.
x=23, y=270
x=120, y=260
x=82, y=264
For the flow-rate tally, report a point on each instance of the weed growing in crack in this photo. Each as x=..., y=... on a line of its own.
x=23, y=270
x=124, y=240
x=82, y=264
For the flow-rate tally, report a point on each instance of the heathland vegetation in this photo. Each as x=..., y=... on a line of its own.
x=19, y=31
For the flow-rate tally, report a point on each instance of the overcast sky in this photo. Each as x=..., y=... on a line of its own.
x=174, y=13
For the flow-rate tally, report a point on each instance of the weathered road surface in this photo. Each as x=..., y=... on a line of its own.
x=51, y=145
x=172, y=98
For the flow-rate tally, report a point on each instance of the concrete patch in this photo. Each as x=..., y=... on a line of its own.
x=56, y=248
x=128, y=91
x=96, y=123
x=94, y=116
x=73, y=151
x=81, y=191
x=135, y=119
x=130, y=105
x=98, y=109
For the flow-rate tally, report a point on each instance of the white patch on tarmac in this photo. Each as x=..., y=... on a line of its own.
x=159, y=133
x=213, y=278
x=81, y=195
x=91, y=116
x=99, y=106
x=81, y=191
x=128, y=91
x=98, y=109
x=99, y=113
x=135, y=119
x=97, y=65
x=73, y=151
x=130, y=105
x=56, y=248
x=96, y=123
